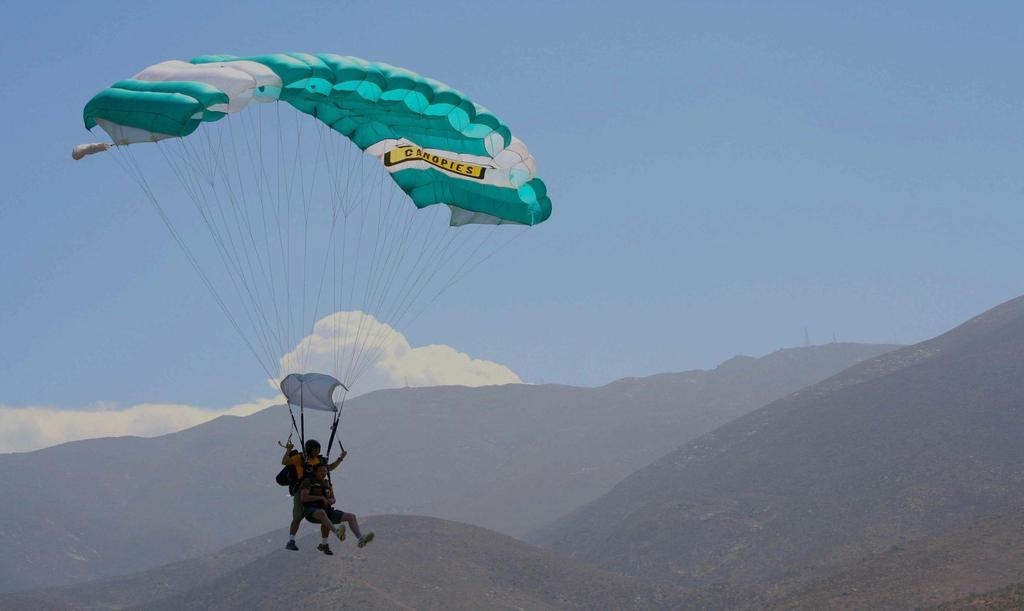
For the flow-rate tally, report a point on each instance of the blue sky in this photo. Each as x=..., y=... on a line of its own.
x=724, y=174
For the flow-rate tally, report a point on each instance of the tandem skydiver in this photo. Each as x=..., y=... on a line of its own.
x=298, y=462
x=317, y=498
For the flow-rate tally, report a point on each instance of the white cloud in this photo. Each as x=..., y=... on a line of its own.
x=341, y=344
x=356, y=347
x=31, y=428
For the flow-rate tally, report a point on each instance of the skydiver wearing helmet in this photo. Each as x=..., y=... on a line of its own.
x=301, y=463
x=317, y=498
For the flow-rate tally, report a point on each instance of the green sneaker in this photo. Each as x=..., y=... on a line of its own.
x=366, y=540
x=341, y=532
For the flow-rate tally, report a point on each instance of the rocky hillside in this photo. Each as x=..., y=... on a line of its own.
x=911, y=443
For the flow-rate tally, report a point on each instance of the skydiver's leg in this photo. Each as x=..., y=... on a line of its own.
x=353, y=523
x=324, y=534
x=297, y=513
x=293, y=528
x=325, y=522
x=350, y=518
x=324, y=519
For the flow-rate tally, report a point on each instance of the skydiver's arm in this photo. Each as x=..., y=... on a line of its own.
x=286, y=460
x=334, y=465
x=306, y=497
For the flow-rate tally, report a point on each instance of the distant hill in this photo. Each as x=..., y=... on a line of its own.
x=421, y=563
x=946, y=566
x=914, y=442
x=141, y=588
x=510, y=458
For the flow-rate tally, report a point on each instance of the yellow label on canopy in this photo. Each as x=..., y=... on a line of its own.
x=402, y=154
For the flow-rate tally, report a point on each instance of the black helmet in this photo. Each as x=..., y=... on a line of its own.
x=312, y=447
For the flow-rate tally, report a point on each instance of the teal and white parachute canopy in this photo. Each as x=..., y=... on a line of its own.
x=253, y=165
x=439, y=146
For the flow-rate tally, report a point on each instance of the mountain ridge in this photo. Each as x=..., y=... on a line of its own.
x=508, y=458
x=907, y=443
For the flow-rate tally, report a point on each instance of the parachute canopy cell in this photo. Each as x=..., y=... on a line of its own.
x=439, y=146
x=311, y=391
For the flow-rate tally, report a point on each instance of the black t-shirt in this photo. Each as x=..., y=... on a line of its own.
x=316, y=488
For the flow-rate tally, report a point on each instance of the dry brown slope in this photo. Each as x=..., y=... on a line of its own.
x=424, y=563
x=139, y=588
x=1010, y=598
x=980, y=557
x=415, y=562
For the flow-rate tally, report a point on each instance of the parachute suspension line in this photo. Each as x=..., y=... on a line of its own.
x=130, y=164
x=266, y=270
x=295, y=325
x=291, y=184
x=436, y=252
x=393, y=240
x=331, y=256
x=229, y=255
x=273, y=180
x=306, y=195
x=334, y=432
x=467, y=268
x=297, y=167
x=469, y=265
x=308, y=202
x=295, y=427
x=216, y=157
x=231, y=226
x=369, y=347
x=239, y=213
x=223, y=238
x=355, y=269
x=334, y=426
x=352, y=198
x=302, y=421
x=374, y=271
x=365, y=344
x=286, y=244
x=432, y=243
x=262, y=179
x=411, y=307
x=396, y=242
x=336, y=204
x=349, y=199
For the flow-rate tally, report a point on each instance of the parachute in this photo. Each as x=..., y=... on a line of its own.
x=310, y=390
x=304, y=238
x=438, y=145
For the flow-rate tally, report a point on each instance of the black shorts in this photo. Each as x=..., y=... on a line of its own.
x=335, y=515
